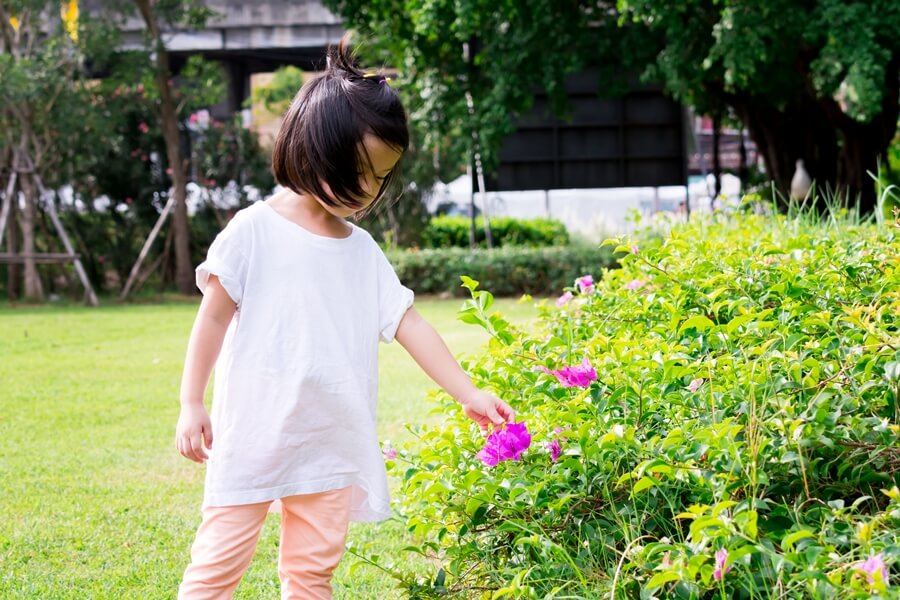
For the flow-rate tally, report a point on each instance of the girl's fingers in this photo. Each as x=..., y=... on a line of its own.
x=197, y=448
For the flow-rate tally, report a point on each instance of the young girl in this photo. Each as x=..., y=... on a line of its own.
x=296, y=299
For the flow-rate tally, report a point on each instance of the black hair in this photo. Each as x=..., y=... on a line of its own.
x=321, y=136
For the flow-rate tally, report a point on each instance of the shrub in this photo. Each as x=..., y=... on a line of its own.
x=740, y=439
x=508, y=271
x=453, y=232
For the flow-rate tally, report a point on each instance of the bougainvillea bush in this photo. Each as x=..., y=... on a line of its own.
x=718, y=418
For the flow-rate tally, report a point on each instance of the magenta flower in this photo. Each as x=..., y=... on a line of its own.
x=505, y=444
x=695, y=384
x=875, y=569
x=554, y=449
x=577, y=376
x=721, y=569
x=585, y=284
x=634, y=284
x=564, y=299
x=389, y=453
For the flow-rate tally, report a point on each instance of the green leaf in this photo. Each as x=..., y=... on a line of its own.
x=468, y=283
x=643, y=484
x=787, y=544
x=662, y=578
x=698, y=322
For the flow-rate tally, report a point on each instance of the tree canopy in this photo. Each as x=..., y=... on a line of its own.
x=810, y=79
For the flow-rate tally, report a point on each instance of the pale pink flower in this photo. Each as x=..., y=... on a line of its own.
x=634, y=249
x=554, y=449
x=721, y=569
x=585, y=284
x=634, y=284
x=576, y=376
x=389, y=453
x=875, y=570
x=564, y=299
x=695, y=384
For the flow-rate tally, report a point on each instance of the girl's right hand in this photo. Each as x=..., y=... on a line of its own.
x=194, y=427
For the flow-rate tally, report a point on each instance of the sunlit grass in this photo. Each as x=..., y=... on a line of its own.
x=96, y=502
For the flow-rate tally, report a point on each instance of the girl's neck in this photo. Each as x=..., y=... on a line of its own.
x=307, y=212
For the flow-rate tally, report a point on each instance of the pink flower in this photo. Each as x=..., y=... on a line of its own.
x=875, y=569
x=505, y=444
x=634, y=249
x=721, y=569
x=554, y=449
x=389, y=453
x=585, y=284
x=577, y=376
x=564, y=299
x=634, y=284
x=143, y=127
x=695, y=384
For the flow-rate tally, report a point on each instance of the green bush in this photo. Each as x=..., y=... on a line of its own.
x=453, y=232
x=508, y=271
x=741, y=439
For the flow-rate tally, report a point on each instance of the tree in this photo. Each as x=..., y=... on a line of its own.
x=514, y=48
x=817, y=80
x=39, y=99
x=191, y=15
x=811, y=79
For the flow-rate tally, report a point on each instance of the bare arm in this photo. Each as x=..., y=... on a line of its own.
x=428, y=349
x=204, y=345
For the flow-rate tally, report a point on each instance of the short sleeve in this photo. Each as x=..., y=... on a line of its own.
x=394, y=299
x=226, y=260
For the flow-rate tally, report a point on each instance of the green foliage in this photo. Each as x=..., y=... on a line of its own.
x=816, y=80
x=515, y=47
x=225, y=151
x=747, y=400
x=278, y=93
x=508, y=271
x=453, y=232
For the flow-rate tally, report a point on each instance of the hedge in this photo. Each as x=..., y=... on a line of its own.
x=718, y=418
x=506, y=271
x=453, y=232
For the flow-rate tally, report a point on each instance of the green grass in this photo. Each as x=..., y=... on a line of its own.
x=96, y=501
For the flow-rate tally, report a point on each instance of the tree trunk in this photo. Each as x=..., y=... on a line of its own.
x=184, y=270
x=33, y=288
x=716, y=159
x=838, y=151
x=14, y=271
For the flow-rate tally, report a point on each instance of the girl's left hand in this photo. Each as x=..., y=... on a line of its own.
x=487, y=410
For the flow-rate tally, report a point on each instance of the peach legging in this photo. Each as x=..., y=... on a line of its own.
x=313, y=532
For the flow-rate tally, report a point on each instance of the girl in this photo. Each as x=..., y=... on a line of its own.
x=296, y=299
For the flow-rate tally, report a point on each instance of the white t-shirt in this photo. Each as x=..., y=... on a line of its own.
x=296, y=382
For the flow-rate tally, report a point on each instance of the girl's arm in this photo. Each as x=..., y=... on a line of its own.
x=213, y=318
x=428, y=349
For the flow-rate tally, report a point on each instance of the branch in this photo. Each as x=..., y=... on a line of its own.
x=5, y=29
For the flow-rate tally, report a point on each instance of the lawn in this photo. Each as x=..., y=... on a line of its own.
x=96, y=501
